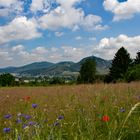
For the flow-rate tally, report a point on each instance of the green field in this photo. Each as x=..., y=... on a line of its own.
x=77, y=112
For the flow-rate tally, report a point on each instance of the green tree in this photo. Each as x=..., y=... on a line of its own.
x=120, y=65
x=7, y=80
x=137, y=60
x=133, y=73
x=87, y=71
x=57, y=80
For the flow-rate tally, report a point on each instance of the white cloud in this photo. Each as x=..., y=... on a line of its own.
x=7, y=2
x=78, y=37
x=22, y=56
x=59, y=34
x=37, y=5
x=67, y=53
x=41, y=5
x=122, y=10
x=60, y=17
x=18, y=48
x=93, y=22
x=3, y=54
x=10, y=6
x=19, y=55
x=72, y=53
x=66, y=15
x=69, y=3
x=92, y=38
x=107, y=47
x=40, y=50
x=20, y=28
x=75, y=28
x=5, y=57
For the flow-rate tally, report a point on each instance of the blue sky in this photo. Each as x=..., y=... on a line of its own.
x=61, y=30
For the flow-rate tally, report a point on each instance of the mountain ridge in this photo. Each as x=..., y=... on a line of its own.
x=48, y=68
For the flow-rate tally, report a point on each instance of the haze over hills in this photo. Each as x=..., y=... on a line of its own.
x=57, y=69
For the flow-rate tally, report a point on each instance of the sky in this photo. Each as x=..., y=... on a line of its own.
x=66, y=30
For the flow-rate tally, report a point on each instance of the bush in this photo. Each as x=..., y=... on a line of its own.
x=133, y=73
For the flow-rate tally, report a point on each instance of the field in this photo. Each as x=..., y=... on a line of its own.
x=77, y=112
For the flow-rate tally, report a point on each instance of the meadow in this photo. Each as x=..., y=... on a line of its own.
x=76, y=112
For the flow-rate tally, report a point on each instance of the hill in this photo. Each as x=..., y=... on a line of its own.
x=57, y=69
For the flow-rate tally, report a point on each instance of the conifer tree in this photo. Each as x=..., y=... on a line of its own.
x=120, y=64
x=137, y=60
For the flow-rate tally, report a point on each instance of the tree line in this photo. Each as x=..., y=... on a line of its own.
x=123, y=69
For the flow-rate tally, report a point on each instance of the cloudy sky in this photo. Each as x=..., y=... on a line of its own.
x=61, y=30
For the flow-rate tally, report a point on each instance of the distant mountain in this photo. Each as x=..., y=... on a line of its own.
x=102, y=65
x=61, y=68
x=30, y=67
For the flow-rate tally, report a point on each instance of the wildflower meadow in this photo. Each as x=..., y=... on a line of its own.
x=76, y=112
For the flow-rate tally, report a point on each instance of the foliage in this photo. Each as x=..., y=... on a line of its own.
x=7, y=80
x=87, y=71
x=120, y=65
x=57, y=80
x=133, y=73
x=137, y=60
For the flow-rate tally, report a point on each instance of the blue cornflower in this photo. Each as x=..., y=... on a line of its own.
x=7, y=116
x=6, y=130
x=27, y=117
x=122, y=109
x=20, y=115
x=24, y=126
x=19, y=138
x=18, y=121
x=60, y=117
x=31, y=123
x=34, y=105
x=56, y=124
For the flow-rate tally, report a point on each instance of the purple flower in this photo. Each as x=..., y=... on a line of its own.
x=56, y=124
x=24, y=126
x=18, y=121
x=122, y=110
x=138, y=97
x=6, y=130
x=7, y=116
x=27, y=117
x=20, y=115
x=45, y=120
x=19, y=138
x=31, y=123
x=60, y=117
x=34, y=105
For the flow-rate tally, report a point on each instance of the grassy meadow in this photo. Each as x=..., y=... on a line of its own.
x=77, y=112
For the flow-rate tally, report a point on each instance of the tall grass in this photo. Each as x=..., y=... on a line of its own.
x=78, y=112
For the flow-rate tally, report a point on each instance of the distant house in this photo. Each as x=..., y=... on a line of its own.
x=17, y=80
x=26, y=81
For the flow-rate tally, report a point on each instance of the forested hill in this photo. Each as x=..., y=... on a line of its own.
x=48, y=68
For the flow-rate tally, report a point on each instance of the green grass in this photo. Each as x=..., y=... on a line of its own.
x=83, y=108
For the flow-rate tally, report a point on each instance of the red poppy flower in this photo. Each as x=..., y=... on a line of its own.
x=27, y=98
x=105, y=118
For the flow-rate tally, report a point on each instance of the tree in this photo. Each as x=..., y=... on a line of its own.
x=57, y=80
x=120, y=64
x=137, y=60
x=7, y=80
x=133, y=73
x=87, y=71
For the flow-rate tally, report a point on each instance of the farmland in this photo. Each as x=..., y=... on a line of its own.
x=76, y=112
